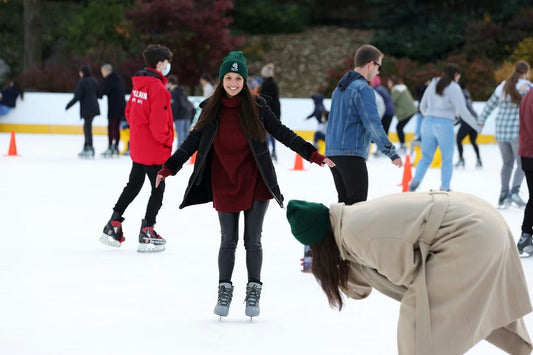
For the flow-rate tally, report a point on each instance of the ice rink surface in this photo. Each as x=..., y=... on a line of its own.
x=62, y=292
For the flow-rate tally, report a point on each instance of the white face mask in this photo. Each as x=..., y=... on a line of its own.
x=167, y=70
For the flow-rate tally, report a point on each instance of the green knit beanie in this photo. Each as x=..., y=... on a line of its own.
x=235, y=63
x=309, y=221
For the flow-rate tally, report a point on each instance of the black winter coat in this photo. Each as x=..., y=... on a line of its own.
x=113, y=87
x=270, y=92
x=199, y=188
x=87, y=92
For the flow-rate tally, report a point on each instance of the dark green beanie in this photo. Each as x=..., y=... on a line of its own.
x=309, y=221
x=235, y=63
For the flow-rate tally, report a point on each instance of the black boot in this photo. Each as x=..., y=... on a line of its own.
x=87, y=152
x=112, y=234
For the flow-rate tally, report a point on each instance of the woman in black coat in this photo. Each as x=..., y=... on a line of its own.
x=234, y=169
x=87, y=92
x=270, y=92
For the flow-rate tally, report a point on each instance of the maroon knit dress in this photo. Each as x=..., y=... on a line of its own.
x=235, y=178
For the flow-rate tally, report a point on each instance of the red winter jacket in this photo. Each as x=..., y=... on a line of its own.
x=149, y=114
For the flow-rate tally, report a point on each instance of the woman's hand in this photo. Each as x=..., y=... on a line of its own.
x=161, y=175
x=329, y=162
x=320, y=159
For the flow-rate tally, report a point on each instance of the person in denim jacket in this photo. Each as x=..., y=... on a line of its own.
x=353, y=124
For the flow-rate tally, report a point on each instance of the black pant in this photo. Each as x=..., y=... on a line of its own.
x=134, y=186
x=113, y=131
x=399, y=129
x=386, y=121
x=88, y=131
x=253, y=227
x=527, y=223
x=351, y=178
x=466, y=130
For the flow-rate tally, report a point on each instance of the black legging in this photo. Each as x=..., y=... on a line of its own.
x=134, y=186
x=527, y=223
x=113, y=131
x=88, y=131
x=399, y=129
x=386, y=121
x=351, y=178
x=466, y=130
x=253, y=227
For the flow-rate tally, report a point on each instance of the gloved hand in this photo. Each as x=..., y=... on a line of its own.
x=161, y=175
x=320, y=159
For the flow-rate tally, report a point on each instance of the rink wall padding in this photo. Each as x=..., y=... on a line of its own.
x=45, y=113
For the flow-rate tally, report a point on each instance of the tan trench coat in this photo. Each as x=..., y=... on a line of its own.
x=451, y=261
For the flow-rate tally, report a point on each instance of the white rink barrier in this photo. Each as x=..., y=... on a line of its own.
x=42, y=112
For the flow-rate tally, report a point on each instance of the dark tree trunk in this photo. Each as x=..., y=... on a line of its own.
x=32, y=33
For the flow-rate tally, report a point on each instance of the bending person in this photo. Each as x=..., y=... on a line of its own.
x=449, y=258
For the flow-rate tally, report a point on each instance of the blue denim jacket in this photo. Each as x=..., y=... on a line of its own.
x=354, y=120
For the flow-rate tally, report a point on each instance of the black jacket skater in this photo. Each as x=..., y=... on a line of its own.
x=199, y=188
x=270, y=92
x=87, y=92
x=113, y=87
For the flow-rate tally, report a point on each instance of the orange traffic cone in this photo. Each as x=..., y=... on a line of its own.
x=407, y=175
x=12, y=146
x=298, y=163
x=193, y=158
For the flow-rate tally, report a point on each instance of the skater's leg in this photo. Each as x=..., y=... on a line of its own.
x=156, y=197
x=253, y=227
x=229, y=228
x=132, y=189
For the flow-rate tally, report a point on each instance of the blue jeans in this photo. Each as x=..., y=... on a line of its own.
x=418, y=117
x=437, y=132
x=183, y=128
x=4, y=110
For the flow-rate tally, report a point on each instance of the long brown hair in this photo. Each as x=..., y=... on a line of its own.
x=329, y=269
x=251, y=124
x=448, y=75
x=509, y=88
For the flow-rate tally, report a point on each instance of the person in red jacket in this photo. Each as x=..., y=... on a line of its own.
x=149, y=115
x=234, y=169
x=525, y=151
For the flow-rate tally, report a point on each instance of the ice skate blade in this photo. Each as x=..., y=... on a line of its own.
x=150, y=248
x=107, y=240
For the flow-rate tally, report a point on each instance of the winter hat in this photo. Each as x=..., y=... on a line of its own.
x=235, y=63
x=268, y=71
x=309, y=221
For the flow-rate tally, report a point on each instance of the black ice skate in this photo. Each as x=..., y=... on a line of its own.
x=108, y=153
x=504, y=201
x=525, y=245
x=87, y=153
x=149, y=240
x=460, y=163
x=112, y=234
x=116, y=152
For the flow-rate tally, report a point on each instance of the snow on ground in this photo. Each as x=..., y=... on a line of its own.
x=62, y=292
